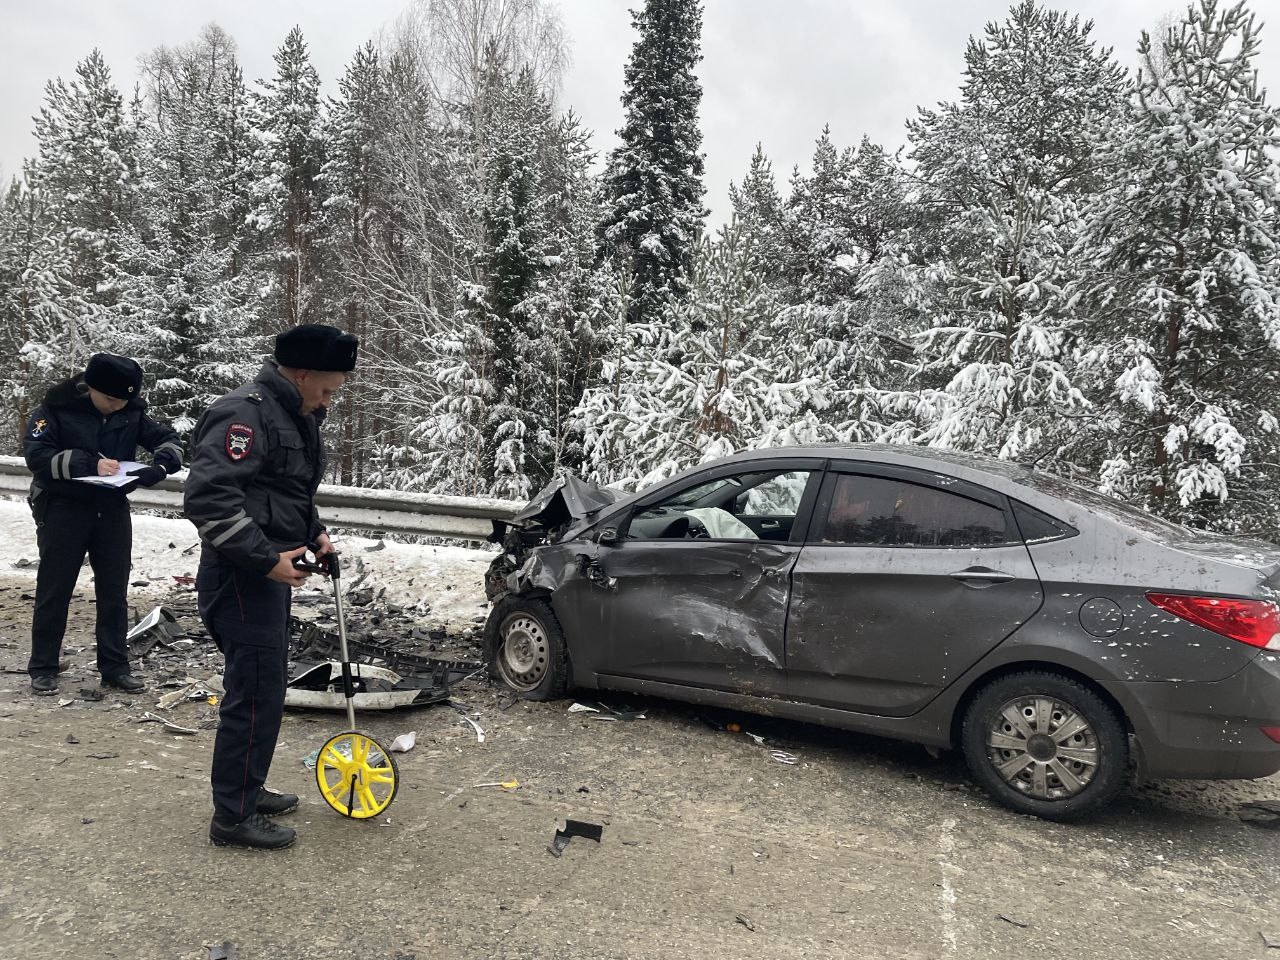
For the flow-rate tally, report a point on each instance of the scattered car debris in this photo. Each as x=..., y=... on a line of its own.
x=746, y=922
x=783, y=757
x=571, y=829
x=479, y=730
x=311, y=759
x=72, y=738
x=225, y=951
x=149, y=717
x=90, y=693
x=192, y=690
x=583, y=708
x=86, y=820
x=1270, y=943
x=404, y=743
x=103, y=756
x=1016, y=923
x=320, y=687
x=157, y=627
x=504, y=784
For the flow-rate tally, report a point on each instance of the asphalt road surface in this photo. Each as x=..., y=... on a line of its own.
x=711, y=847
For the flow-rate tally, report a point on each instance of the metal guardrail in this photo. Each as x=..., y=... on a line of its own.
x=358, y=508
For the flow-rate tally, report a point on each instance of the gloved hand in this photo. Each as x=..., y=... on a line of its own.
x=169, y=460
x=148, y=476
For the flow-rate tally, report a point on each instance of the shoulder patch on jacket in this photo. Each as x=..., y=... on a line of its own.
x=254, y=397
x=239, y=441
x=38, y=428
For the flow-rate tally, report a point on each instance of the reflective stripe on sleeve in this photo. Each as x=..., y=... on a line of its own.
x=206, y=531
x=60, y=465
x=231, y=531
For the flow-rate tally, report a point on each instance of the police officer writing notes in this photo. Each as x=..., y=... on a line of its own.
x=257, y=460
x=84, y=428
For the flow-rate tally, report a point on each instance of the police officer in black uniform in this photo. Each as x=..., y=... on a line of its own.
x=84, y=428
x=257, y=459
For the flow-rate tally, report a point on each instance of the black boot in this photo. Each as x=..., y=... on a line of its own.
x=126, y=682
x=254, y=831
x=272, y=804
x=44, y=684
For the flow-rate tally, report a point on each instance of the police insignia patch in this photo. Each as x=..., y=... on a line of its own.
x=239, y=441
x=39, y=427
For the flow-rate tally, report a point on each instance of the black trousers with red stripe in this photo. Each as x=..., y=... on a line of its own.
x=248, y=617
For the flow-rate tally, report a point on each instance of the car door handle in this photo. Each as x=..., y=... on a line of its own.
x=982, y=575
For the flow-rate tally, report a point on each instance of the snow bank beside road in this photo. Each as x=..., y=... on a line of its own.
x=449, y=581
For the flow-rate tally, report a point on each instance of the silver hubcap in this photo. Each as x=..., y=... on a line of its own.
x=523, y=658
x=1043, y=747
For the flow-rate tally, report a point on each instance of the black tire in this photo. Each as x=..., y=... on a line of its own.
x=1060, y=779
x=525, y=648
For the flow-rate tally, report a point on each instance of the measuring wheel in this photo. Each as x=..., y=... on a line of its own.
x=356, y=776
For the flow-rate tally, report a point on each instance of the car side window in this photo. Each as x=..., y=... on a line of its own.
x=878, y=511
x=749, y=506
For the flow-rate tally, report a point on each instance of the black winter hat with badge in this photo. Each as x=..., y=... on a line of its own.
x=116, y=376
x=316, y=346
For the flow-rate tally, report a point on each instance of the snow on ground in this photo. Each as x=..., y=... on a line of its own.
x=444, y=583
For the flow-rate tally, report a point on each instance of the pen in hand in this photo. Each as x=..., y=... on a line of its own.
x=106, y=466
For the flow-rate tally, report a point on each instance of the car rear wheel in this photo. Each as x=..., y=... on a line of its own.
x=526, y=648
x=1044, y=744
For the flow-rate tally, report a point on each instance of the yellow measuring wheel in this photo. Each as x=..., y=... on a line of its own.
x=355, y=774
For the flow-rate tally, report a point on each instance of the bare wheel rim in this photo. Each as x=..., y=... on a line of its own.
x=1043, y=747
x=525, y=653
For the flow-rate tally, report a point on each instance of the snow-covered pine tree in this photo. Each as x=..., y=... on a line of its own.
x=288, y=157
x=573, y=300
x=501, y=421
x=352, y=178
x=33, y=320
x=653, y=182
x=1184, y=297
x=653, y=416
x=195, y=322
x=85, y=176
x=837, y=324
x=1002, y=174
x=757, y=213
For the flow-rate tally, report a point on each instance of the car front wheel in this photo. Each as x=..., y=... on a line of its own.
x=526, y=648
x=1045, y=744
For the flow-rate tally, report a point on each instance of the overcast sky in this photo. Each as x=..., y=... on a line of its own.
x=774, y=70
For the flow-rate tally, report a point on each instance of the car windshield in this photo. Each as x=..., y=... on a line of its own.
x=1103, y=504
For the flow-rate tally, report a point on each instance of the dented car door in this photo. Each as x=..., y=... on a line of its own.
x=908, y=579
x=695, y=596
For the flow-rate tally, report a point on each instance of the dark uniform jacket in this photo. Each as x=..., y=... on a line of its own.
x=255, y=467
x=67, y=436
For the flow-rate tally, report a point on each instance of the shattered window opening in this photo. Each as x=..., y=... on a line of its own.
x=750, y=506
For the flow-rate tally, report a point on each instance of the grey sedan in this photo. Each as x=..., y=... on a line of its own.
x=1057, y=636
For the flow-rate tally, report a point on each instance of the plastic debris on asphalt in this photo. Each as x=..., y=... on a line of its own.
x=404, y=743
x=571, y=829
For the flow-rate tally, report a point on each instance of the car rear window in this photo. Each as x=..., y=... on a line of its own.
x=1101, y=503
x=877, y=511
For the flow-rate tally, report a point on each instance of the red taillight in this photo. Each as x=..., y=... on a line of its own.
x=1255, y=622
x=1273, y=733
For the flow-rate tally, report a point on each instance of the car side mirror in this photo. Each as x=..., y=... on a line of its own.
x=608, y=537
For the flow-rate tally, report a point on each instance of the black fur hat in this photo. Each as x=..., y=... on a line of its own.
x=118, y=377
x=315, y=346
